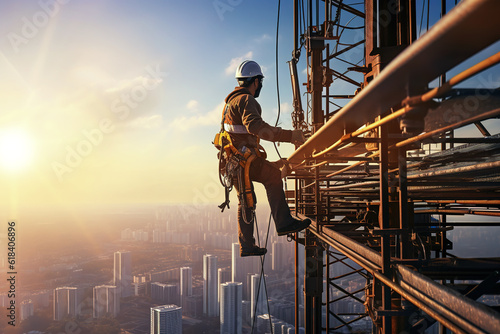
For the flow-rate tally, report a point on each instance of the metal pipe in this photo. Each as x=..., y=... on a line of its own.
x=404, y=249
x=471, y=316
x=348, y=8
x=296, y=284
x=486, y=115
x=375, y=154
x=478, y=202
x=465, y=169
x=446, y=87
x=364, y=256
x=434, y=93
x=462, y=212
x=414, y=300
x=367, y=128
x=296, y=50
x=328, y=57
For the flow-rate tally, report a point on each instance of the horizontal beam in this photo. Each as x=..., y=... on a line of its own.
x=465, y=314
x=362, y=255
x=456, y=311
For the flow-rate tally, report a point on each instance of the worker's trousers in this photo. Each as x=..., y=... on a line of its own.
x=264, y=172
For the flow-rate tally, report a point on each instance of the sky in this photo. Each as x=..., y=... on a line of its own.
x=117, y=102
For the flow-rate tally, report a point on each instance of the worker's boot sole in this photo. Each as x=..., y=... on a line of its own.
x=296, y=226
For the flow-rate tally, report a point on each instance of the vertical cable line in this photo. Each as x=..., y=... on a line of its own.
x=262, y=259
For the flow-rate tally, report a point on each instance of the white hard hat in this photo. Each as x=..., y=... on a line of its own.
x=248, y=69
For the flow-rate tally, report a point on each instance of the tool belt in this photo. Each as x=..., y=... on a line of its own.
x=234, y=166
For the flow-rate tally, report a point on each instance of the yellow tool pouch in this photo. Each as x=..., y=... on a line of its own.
x=234, y=166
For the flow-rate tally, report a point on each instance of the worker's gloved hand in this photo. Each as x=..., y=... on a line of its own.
x=285, y=170
x=298, y=137
x=279, y=163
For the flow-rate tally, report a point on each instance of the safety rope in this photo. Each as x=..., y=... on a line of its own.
x=262, y=276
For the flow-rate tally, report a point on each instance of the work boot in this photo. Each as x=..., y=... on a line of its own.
x=252, y=251
x=295, y=226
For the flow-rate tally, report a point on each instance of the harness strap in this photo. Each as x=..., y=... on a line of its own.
x=248, y=191
x=235, y=128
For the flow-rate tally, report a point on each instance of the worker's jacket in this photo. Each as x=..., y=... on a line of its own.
x=243, y=121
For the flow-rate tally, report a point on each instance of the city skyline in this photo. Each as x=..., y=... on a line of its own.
x=163, y=268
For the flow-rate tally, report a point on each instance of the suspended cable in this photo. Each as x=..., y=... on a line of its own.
x=353, y=28
x=262, y=276
x=421, y=18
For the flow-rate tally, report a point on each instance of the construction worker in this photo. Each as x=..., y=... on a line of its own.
x=242, y=120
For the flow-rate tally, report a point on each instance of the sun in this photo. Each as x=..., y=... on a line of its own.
x=16, y=150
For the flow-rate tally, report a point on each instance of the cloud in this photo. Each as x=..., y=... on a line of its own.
x=147, y=122
x=233, y=64
x=192, y=105
x=128, y=85
x=210, y=118
x=285, y=108
x=263, y=38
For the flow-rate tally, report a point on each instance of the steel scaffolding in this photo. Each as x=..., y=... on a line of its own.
x=384, y=176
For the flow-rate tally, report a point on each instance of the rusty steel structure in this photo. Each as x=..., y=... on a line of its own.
x=386, y=172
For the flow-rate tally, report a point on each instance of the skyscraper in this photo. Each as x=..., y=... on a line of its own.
x=279, y=256
x=231, y=308
x=27, y=309
x=166, y=319
x=106, y=301
x=65, y=302
x=241, y=266
x=186, y=281
x=165, y=293
x=123, y=273
x=258, y=296
x=210, y=285
x=223, y=276
x=235, y=256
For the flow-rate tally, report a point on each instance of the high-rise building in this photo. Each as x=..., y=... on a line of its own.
x=210, y=285
x=223, y=276
x=235, y=252
x=27, y=309
x=194, y=306
x=242, y=266
x=280, y=256
x=231, y=317
x=122, y=278
x=106, y=301
x=245, y=311
x=40, y=299
x=186, y=282
x=166, y=319
x=262, y=324
x=258, y=299
x=165, y=293
x=65, y=302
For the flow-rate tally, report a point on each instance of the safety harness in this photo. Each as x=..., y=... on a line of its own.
x=234, y=165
